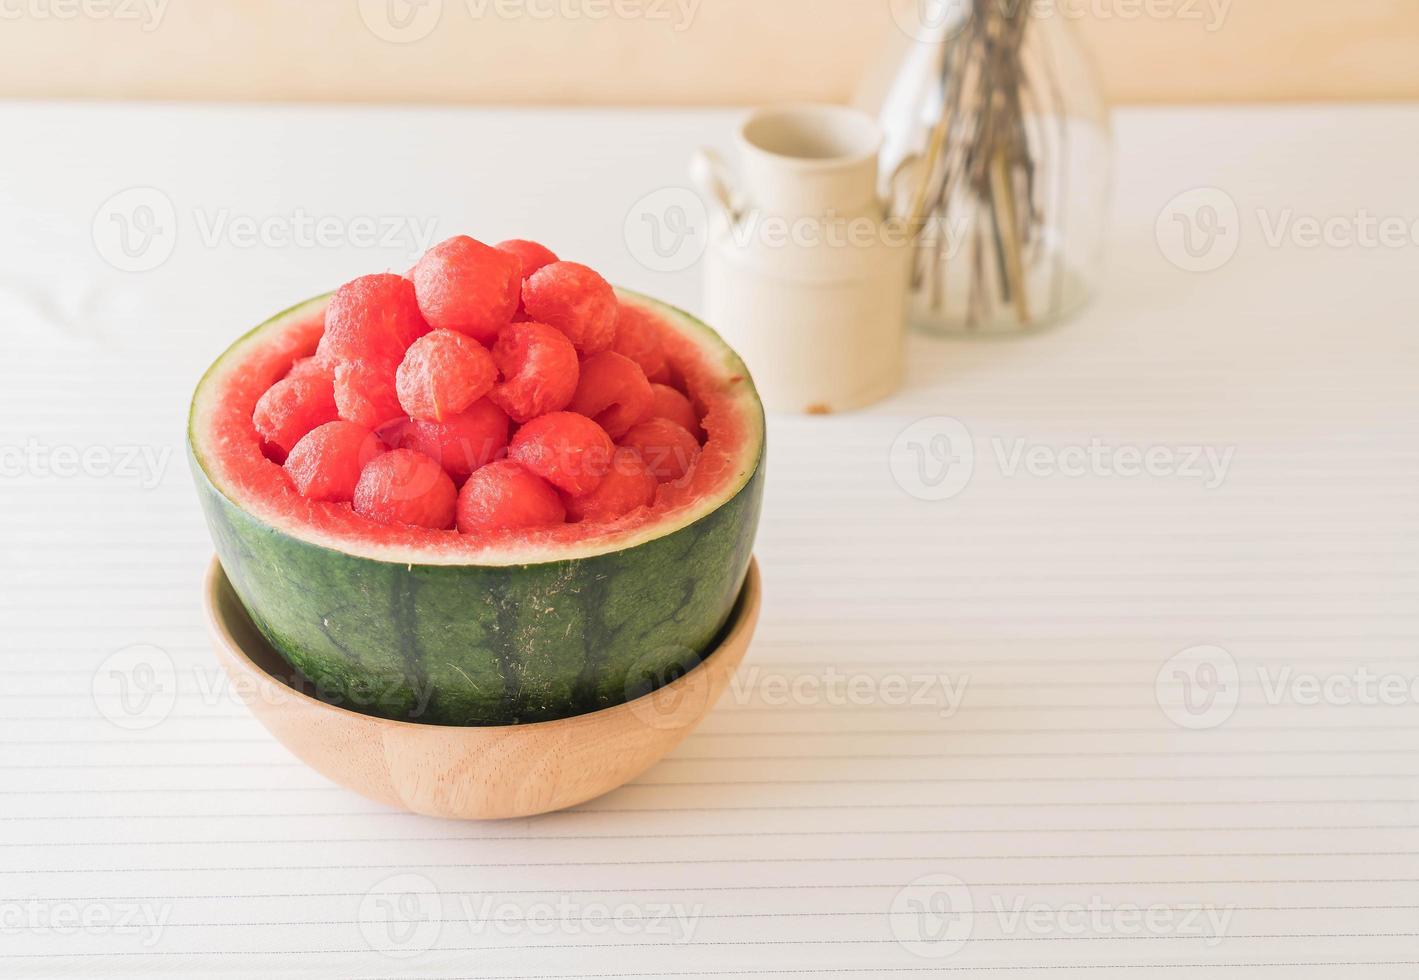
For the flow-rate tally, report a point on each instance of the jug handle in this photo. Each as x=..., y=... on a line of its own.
x=711, y=175
x=900, y=187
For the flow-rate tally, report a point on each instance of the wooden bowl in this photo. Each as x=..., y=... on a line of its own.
x=482, y=773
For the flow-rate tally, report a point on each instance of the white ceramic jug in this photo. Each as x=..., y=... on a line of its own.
x=806, y=273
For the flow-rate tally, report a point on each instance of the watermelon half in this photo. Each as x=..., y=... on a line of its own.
x=434, y=626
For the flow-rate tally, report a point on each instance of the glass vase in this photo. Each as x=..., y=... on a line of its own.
x=995, y=108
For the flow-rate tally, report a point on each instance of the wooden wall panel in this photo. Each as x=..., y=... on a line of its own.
x=663, y=51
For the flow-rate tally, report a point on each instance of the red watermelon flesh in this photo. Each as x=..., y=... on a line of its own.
x=442, y=374
x=612, y=391
x=668, y=449
x=366, y=392
x=671, y=404
x=467, y=286
x=505, y=496
x=461, y=443
x=628, y=484
x=371, y=318
x=638, y=338
x=327, y=462
x=390, y=417
x=532, y=254
x=291, y=408
x=575, y=300
x=310, y=367
x=539, y=369
x=568, y=450
x=406, y=487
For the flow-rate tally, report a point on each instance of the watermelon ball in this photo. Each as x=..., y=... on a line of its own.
x=366, y=392
x=292, y=407
x=613, y=392
x=670, y=403
x=371, y=318
x=576, y=301
x=638, y=338
x=569, y=451
x=628, y=484
x=327, y=462
x=309, y=367
x=503, y=496
x=461, y=443
x=442, y=374
x=405, y=487
x=667, y=448
x=532, y=255
x=467, y=286
x=539, y=367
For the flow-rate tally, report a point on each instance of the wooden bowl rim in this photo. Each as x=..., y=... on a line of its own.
x=742, y=621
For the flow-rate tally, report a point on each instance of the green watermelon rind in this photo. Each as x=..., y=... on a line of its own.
x=492, y=643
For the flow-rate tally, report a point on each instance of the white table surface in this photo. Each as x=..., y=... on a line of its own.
x=1055, y=601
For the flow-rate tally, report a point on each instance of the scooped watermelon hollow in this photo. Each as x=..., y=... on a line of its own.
x=493, y=628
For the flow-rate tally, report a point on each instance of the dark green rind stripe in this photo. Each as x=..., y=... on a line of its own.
x=480, y=645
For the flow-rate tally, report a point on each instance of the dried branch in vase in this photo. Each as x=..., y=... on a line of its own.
x=1009, y=228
